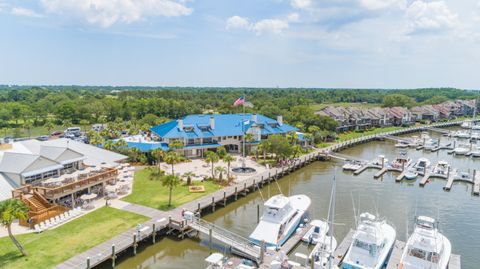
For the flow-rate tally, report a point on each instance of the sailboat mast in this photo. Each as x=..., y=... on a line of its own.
x=332, y=216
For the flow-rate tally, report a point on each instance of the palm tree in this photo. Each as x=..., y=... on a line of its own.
x=188, y=176
x=249, y=139
x=121, y=144
x=228, y=159
x=293, y=137
x=220, y=170
x=170, y=181
x=264, y=146
x=172, y=158
x=84, y=124
x=296, y=150
x=109, y=145
x=211, y=157
x=94, y=138
x=158, y=154
x=155, y=173
x=10, y=210
x=174, y=145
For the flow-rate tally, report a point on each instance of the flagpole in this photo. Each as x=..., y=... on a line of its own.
x=243, y=129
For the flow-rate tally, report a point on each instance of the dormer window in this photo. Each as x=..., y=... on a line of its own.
x=188, y=129
x=204, y=128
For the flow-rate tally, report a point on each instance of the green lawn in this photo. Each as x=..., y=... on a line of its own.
x=52, y=247
x=34, y=131
x=352, y=135
x=151, y=193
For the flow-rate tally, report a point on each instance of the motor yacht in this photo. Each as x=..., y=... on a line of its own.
x=462, y=149
x=441, y=168
x=431, y=143
x=402, y=144
x=371, y=245
x=280, y=219
x=402, y=161
x=426, y=248
x=422, y=165
x=462, y=134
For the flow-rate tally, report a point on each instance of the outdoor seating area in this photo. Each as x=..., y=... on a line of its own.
x=74, y=176
x=57, y=220
x=123, y=184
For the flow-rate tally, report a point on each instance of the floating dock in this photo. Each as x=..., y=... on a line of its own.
x=343, y=247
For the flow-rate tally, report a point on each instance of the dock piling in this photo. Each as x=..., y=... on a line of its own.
x=258, y=213
x=213, y=203
x=114, y=257
x=88, y=262
x=154, y=233
x=135, y=244
x=210, y=233
x=236, y=193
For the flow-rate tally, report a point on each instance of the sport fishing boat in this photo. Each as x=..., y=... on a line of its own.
x=218, y=261
x=475, y=152
x=441, y=168
x=401, y=161
x=422, y=165
x=426, y=248
x=352, y=165
x=280, y=220
x=372, y=244
x=318, y=231
x=431, y=143
x=461, y=149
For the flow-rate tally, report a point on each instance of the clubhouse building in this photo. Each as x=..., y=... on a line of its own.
x=199, y=133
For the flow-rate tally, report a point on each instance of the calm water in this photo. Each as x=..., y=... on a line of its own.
x=457, y=210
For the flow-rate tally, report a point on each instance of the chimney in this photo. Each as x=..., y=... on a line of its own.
x=180, y=124
x=280, y=120
x=254, y=118
x=212, y=122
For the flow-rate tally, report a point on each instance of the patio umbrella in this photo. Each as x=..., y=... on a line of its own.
x=88, y=196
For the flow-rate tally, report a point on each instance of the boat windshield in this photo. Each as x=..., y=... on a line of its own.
x=371, y=248
x=432, y=257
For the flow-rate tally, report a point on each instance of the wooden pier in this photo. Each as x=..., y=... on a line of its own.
x=343, y=247
x=397, y=252
x=286, y=248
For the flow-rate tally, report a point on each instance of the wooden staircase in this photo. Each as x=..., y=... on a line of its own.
x=39, y=208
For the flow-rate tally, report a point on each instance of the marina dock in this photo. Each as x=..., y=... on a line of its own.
x=397, y=252
x=343, y=247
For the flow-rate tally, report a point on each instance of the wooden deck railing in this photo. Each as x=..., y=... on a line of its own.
x=55, y=192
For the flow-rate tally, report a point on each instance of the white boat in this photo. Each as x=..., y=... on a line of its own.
x=218, y=261
x=475, y=152
x=462, y=149
x=371, y=246
x=466, y=125
x=401, y=161
x=422, y=165
x=402, y=144
x=426, y=247
x=431, y=143
x=441, y=168
x=380, y=160
x=322, y=253
x=475, y=135
x=476, y=127
x=416, y=141
x=280, y=220
x=462, y=134
x=318, y=231
x=352, y=165
x=411, y=173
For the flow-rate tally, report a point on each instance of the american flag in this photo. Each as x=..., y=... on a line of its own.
x=240, y=101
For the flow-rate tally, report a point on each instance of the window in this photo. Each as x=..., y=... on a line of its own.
x=417, y=253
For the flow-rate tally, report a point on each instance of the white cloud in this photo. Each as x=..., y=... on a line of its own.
x=301, y=4
x=275, y=26
x=293, y=17
x=270, y=25
x=106, y=13
x=20, y=11
x=430, y=16
x=238, y=22
x=380, y=4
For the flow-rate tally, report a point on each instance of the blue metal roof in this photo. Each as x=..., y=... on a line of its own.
x=147, y=146
x=225, y=125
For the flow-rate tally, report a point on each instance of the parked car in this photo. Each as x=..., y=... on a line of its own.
x=56, y=133
x=42, y=138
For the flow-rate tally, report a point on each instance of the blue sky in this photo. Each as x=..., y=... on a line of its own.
x=259, y=43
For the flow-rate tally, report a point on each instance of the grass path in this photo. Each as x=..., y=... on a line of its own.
x=52, y=247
